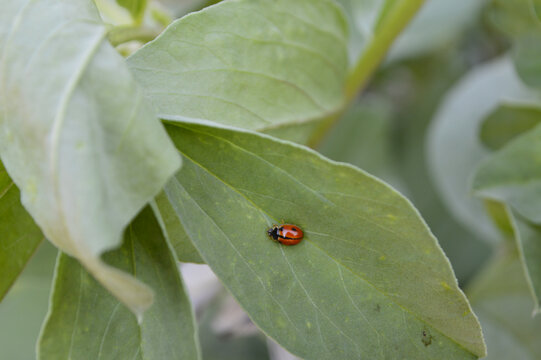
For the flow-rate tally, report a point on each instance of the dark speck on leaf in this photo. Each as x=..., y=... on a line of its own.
x=427, y=338
x=378, y=308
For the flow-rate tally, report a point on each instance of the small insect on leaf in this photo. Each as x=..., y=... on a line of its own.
x=286, y=234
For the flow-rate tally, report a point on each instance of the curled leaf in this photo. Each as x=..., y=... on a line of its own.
x=76, y=135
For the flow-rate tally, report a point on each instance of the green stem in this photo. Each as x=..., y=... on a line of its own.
x=161, y=16
x=121, y=34
x=395, y=22
x=397, y=18
x=112, y=11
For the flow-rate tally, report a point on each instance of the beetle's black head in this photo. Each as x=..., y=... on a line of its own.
x=273, y=232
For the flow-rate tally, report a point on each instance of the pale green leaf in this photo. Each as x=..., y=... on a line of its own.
x=454, y=150
x=506, y=122
x=19, y=235
x=181, y=243
x=527, y=51
x=520, y=20
x=515, y=18
x=368, y=281
x=513, y=175
x=255, y=64
x=501, y=299
x=86, y=322
x=528, y=237
x=76, y=136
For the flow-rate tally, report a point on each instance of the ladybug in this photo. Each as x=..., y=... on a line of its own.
x=286, y=234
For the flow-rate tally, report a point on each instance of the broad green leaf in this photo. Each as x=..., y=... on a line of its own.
x=437, y=23
x=369, y=280
x=76, y=136
x=527, y=51
x=501, y=299
x=506, y=122
x=520, y=20
x=19, y=235
x=171, y=225
x=513, y=175
x=528, y=237
x=454, y=150
x=135, y=7
x=255, y=64
x=86, y=322
x=515, y=18
x=23, y=309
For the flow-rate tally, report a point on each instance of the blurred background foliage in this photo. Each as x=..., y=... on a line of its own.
x=390, y=132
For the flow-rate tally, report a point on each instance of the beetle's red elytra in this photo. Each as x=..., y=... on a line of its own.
x=286, y=234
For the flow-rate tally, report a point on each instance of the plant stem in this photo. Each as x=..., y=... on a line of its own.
x=397, y=18
x=121, y=34
x=395, y=22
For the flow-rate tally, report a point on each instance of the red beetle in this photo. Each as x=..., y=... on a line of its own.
x=286, y=234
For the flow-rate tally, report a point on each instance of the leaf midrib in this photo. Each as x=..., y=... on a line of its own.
x=240, y=255
x=6, y=189
x=57, y=127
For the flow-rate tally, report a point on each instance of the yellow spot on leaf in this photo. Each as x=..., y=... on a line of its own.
x=445, y=285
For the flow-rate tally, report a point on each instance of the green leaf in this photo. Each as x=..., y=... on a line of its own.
x=255, y=64
x=513, y=175
x=454, y=150
x=506, y=122
x=515, y=18
x=520, y=19
x=19, y=235
x=501, y=299
x=171, y=225
x=86, y=322
x=76, y=136
x=135, y=7
x=527, y=51
x=23, y=309
x=528, y=237
x=369, y=280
